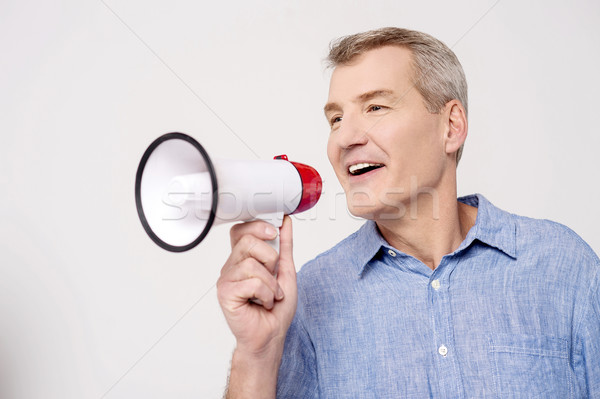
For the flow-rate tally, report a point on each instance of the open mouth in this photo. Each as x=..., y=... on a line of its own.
x=362, y=168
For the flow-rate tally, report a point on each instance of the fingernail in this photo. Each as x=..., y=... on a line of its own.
x=279, y=293
x=271, y=232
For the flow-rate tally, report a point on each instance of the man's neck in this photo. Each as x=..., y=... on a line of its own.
x=431, y=227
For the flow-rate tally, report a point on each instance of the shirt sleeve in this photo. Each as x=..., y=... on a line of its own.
x=587, y=364
x=297, y=374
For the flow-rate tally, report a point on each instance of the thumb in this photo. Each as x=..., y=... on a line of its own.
x=286, y=241
x=287, y=271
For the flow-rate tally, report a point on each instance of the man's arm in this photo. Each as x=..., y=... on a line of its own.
x=260, y=330
x=588, y=339
x=253, y=377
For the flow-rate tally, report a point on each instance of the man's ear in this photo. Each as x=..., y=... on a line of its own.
x=457, y=126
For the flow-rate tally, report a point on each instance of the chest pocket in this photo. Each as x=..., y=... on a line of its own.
x=531, y=366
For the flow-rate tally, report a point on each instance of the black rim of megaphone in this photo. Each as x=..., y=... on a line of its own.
x=138, y=186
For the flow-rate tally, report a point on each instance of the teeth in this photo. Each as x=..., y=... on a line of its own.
x=355, y=168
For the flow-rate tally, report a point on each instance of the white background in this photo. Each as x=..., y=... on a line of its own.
x=89, y=306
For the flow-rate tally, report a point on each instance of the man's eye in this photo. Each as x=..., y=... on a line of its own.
x=335, y=120
x=375, y=108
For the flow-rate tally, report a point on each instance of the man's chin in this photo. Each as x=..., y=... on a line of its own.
x=361, y=213
x=376, y=212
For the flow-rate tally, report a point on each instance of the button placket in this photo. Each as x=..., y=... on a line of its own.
x=439, y=298
x=443, y=350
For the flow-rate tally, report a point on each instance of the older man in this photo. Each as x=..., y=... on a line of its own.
x=434, y=296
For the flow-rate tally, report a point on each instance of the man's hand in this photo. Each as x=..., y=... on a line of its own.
x=260, y=330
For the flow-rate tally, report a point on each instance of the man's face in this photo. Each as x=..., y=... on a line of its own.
x=384, y=145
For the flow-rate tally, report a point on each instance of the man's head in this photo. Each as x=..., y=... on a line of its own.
x=437, y=73
x=397, y=98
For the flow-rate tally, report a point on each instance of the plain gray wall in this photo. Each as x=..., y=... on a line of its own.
x=89, y=306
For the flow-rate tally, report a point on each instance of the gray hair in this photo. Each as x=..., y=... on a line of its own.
x=438, y=75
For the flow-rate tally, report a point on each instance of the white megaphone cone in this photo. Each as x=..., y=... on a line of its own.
x=180, y=193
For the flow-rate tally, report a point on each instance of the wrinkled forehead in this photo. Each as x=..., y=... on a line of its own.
x=384, y=68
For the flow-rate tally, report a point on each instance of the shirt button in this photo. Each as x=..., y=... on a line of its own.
x=443, y=350
x=435, y=284
x=392, y=253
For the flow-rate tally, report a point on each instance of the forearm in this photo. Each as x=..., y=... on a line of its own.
x=254, y=376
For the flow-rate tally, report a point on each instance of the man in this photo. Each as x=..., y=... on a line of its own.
x=433, y=296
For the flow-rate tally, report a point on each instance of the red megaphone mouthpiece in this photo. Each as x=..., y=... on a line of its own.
x=311, y=185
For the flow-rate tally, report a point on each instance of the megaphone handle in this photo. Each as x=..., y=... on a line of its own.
x=274, y=243
x=276, y=220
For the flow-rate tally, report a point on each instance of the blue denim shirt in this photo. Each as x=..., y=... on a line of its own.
x=514, y=312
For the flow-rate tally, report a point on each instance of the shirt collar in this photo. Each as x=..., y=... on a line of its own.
x=368, y=242
x=493, y=227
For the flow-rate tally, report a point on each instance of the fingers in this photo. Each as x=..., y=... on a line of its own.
x=254, y=289
x=286, y=276
x=234, y=295
x=249, y=272
x=258, y=305
x=258, y=228
x=251, y=269
x=251, y=247
x=249, y=280
x=286, y=248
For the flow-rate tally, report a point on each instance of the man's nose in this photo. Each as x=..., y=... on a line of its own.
x=352, y=132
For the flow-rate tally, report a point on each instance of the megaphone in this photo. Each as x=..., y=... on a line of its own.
x=180, y=193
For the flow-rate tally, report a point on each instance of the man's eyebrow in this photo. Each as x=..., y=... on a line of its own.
x=375, y=93
x=369, y=95
x=329, y=107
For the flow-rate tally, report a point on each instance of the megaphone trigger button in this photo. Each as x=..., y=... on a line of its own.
x=282, y=156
